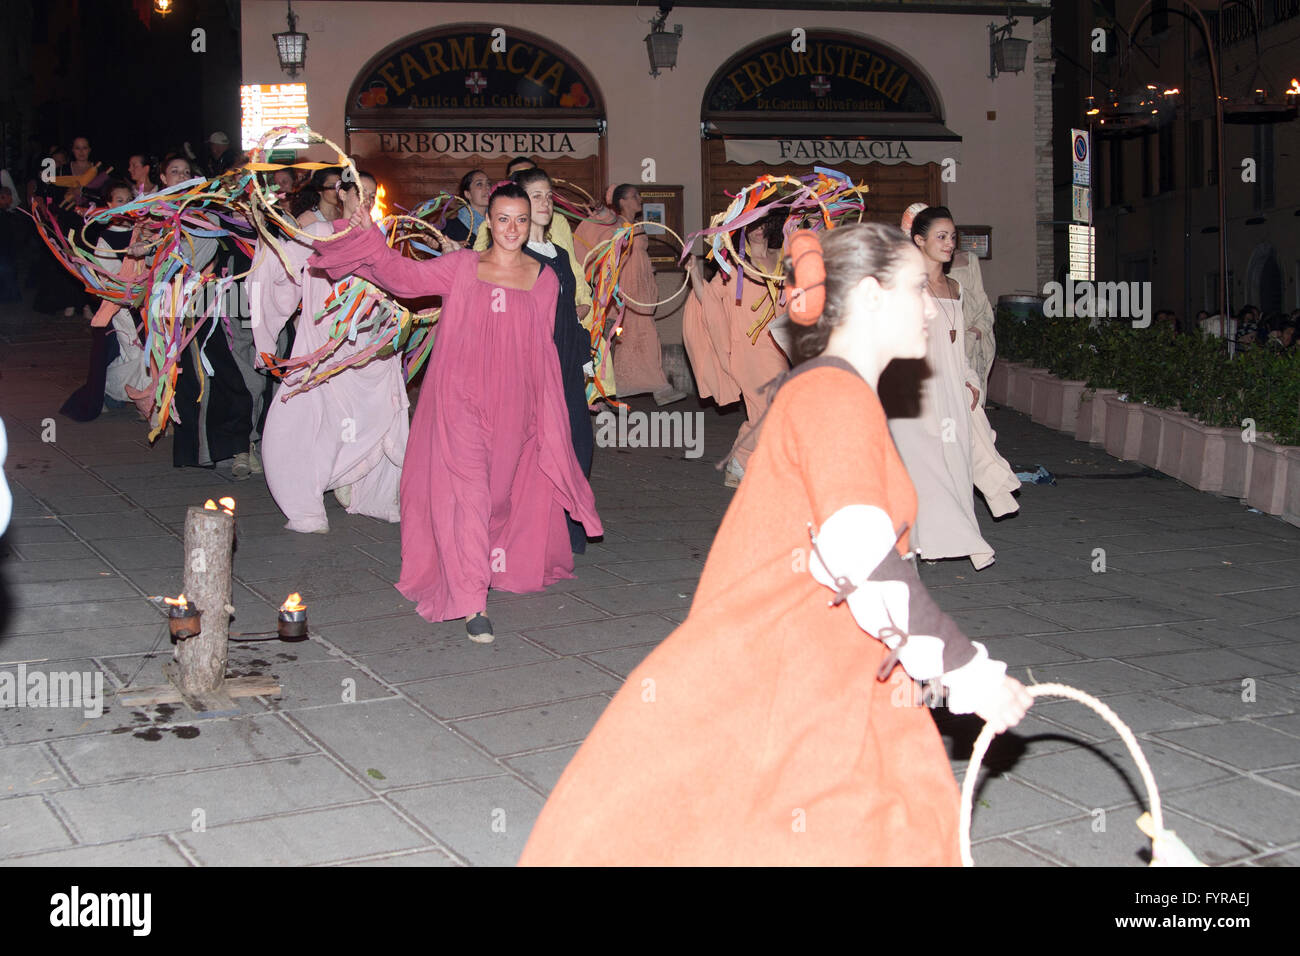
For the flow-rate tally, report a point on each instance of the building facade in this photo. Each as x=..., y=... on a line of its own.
x=422, y=92
x=1155, y=190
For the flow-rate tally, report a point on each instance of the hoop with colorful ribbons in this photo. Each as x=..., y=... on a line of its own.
x=603, y=269
x=825, y=197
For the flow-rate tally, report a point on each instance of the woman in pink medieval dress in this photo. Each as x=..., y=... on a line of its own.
x=638, y=361
x=490, y=468
x=347, y=435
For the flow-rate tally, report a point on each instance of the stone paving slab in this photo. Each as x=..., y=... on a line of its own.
x=532, y=728
x=486, y=691
x=1233, y=699
x=544, y=768
x=1255, y=809
x=393, y=744
x=321, y=836
x=1104, y=774
x=448, y=656
x=487, y=821
x=29, y=824
x=622, y=660
x=150, y=851
x=29, y=769
x=158, y=805
x=152, y=751
x=1244, y=744
x=1121, y=843
x=1123, y=642
x=601, y=635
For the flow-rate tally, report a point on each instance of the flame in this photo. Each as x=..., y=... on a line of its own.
x=380, y=208
x=293, y=603
x=209, y=505
x=228, y=503
x=177, y=601
x=1295, y=87
x=162, y=7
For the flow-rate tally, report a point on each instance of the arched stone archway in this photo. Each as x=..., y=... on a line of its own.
x=435, y=104
x=842, y=100
x=1265, y=285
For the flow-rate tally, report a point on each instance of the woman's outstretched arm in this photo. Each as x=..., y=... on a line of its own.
x=364, y=253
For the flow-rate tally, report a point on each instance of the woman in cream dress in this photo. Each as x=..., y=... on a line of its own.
x=948, y=447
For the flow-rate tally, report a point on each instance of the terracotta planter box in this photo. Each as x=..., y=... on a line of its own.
x=1214, y=459
x=1175, y=430
x=1270, y=466
x=1054, y=401
x=1091, y=423
x=1042, y=390
x=1238, y=458
x=1019, y=388
x=999, y=376
x=1071, y=394
x=1291, y=502
x=1123, y=435
x=1153, y=427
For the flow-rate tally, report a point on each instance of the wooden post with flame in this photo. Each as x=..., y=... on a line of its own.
x=200, y=664
x=197, y=674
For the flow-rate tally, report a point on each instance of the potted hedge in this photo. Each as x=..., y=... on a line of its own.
x=1173, y=402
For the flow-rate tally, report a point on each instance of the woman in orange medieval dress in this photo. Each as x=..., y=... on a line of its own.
x=774, y=726
x=732, y=353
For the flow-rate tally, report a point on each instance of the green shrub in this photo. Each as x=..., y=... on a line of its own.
x=1153, y=365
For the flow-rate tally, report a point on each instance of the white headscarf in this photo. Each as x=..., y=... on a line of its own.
x=909, y=214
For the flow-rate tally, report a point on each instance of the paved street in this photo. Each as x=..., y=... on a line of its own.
x=396, y=742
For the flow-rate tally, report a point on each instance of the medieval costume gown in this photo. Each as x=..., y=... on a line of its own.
x=573, y=349
x=948, y=447
x=638, y=359
x=216, y=412
x=726, y=362
x=562, y=237
x=758, y=733
x=350, y=430
x=981, y=348
x=490, y=468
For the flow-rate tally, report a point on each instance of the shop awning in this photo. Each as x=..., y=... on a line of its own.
x=832, y=140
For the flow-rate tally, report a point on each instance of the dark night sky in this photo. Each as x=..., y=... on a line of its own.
x=93, y=67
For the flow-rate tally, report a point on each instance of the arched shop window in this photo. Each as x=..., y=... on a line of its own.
x=438, y=103
x=842, y=101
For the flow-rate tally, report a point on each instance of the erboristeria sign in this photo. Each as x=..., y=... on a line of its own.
x=462, y=144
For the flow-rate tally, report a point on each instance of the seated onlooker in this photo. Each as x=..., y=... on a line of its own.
x=475, y=188
x=1248, y=332
x=1286, y=336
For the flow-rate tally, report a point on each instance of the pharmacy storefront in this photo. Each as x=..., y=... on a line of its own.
x=831, y=99
x=420, y=93
x=436, y=104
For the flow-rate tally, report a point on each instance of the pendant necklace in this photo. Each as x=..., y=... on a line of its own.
x=952, y=321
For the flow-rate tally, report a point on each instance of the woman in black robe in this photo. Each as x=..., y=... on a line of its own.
x=572, y=341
